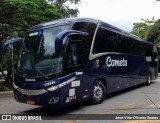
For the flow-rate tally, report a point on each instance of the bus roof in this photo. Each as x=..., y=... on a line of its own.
x=62, y=22
x=77, y=19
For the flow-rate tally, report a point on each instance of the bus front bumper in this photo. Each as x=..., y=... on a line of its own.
x=40, y=97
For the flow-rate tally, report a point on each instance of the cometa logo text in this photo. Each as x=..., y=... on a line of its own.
x=115, y=63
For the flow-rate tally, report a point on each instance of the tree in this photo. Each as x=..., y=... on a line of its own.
x=16, y=16
x=154, y=34
x=66, y=10
x=141, y=29
x=154, y=37
x=150, y=31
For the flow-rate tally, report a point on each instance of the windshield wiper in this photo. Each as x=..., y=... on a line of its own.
x=41, y=73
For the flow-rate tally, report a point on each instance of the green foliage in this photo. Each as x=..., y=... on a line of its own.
x=154, y=34
x=66, y=10
x=16, y=16
x=154, y=37
x=141, y=29
x=150, y=31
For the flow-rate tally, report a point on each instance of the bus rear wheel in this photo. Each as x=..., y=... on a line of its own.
x=98, y=93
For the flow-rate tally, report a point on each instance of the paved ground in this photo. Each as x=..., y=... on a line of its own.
x=138, y=100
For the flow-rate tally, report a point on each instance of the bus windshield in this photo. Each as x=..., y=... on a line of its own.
x=38, y=57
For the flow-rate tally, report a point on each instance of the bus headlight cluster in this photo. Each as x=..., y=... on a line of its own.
x=53, y=88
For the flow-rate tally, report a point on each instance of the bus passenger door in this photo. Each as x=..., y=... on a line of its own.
x=74, y=56
x=74, y=66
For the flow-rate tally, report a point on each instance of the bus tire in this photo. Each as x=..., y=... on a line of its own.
x=148, y=79
x=98, y=93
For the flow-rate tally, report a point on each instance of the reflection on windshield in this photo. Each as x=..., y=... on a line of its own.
x=39, y=56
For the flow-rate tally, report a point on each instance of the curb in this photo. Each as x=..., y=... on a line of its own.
x=6, y=92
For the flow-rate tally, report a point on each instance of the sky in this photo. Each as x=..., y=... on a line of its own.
x=120, y=13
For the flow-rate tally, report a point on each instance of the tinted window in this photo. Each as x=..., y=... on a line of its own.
x=108, y=41
x=104, y=41
x=86, y=27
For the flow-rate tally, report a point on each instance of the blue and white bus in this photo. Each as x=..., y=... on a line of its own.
x=78, y=59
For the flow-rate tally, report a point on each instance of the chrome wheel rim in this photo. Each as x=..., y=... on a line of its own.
x=97, y=93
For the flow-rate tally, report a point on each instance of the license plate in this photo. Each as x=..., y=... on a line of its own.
x=31, y=102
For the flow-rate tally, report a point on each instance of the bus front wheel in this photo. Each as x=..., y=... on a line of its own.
x=98, y=93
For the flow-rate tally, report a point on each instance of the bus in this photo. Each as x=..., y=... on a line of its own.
x=72, y=60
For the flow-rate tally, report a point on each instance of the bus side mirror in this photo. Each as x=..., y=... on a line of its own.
x=62, y=35
x=8, y=42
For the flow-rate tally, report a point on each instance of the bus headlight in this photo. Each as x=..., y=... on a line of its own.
x=53, y=88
